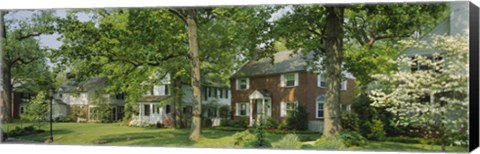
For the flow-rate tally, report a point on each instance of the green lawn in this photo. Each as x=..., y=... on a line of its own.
x=114, y=134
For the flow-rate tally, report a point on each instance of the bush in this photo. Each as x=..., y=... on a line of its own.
x=239, y=123
x=298, y=120
x=271, y=123
x=19, y=131
x=349, y=121
x=283, y=125
x=376, y=132
x=241, y=138
x=330, y=143
x=289, y=141
x=350, y=138
x=260, y=139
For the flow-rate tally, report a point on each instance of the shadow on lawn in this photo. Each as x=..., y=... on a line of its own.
x=389, y=146
x=166, y=137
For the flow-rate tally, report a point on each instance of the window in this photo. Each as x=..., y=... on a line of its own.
x=146, y=110
x=345, y=107
x=168, y=109
x=344, y=86
x=22, y=109
x=161, y=90
x=320, y=102
x=205, y=93
x=321, y=80
x=243, y=84
x=120, y=96
x=226, y=93
x=289, y=80
x=422, y=67
x=242, y=109
x=288, y=107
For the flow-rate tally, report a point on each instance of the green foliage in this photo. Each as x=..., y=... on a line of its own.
x=289, y=141
x=19, y=131
x=330, y=143
x=271, y=123
x=351, y=138
x=377, y=131
x=241, y=122
x=298, y=119
x=37, y=109
x=261, y=140
x=283, y=125
x=77, y=112
x=350, y=121
x=242, y=138
x=100, y=111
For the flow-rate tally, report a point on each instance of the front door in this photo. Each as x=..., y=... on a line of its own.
x=264, y=109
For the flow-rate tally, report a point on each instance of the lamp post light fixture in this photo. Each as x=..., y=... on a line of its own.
x=50, y=93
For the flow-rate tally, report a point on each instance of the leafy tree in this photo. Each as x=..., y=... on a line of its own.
x=435, y=98
x=298, y=119
x=23, y=60
x=37, y=109
x=336, y=33
x=131, y=45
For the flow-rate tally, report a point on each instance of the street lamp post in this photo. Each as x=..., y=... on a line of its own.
x=51, y=117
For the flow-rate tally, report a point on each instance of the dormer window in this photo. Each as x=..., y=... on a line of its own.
x=243, y=84
x=289, y=80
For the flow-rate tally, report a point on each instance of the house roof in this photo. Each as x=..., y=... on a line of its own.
x=83, y=86
x=284, y=61
x=441, y=29
x=153, y=98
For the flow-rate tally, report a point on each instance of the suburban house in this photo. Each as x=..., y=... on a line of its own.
x=456, y=23
x=156, y=105
x=83, y=98
x=265, y=89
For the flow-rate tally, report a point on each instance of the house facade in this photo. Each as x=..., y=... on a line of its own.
x=156, y=105
x=19, y=103
x=84, y=98
x=262, y=90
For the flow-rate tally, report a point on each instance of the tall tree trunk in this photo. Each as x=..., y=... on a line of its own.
x=178, y=104
x=195, y=76
x=2, y=63
x=6, y=88
x=334, y=44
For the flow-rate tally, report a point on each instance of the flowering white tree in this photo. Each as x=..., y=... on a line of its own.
x=429, y=92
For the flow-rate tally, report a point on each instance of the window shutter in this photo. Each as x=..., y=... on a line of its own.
x=248, y=83
x=282, y=81
x=237, y=109
x=248, y=108
x=296, y=79
x=237, y=87
x=283, y=109
x=318, y=80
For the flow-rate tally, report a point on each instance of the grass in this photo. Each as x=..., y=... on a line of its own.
x=115, y=134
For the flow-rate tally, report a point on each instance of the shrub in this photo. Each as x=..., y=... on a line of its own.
x=298, y=119
x=350, y=121
x=376, y=132
x=271, y=123
x=241, y=138
x=350, y=138
x=283, y=125
x=239, y=123
x=260, y=139
x=330, y=143
x=289, y=141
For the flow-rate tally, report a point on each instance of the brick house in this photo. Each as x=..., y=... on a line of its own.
x=262, y=88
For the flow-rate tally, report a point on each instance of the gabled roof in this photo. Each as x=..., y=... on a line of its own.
x=284, y=62
x=441, y=29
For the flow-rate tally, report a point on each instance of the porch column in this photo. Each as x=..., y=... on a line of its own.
x=251, y=112
x=263, y=111
x=140, y=113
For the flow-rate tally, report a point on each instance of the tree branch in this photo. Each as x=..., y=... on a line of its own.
x=19, y=38
x=178, y=14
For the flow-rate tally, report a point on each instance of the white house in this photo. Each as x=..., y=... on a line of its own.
x=71, y=96
x=156, y=107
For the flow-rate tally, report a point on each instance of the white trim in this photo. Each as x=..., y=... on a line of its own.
x=283, y=80
x=238, y=83
x=316, y=106
x=344, y=85
x=320, y=79
x=238, y=107
x=283, y=109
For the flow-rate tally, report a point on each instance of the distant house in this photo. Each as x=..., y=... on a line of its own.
x=262, y=89
x=156, y=105
x=82, y=99
x=456, y=23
